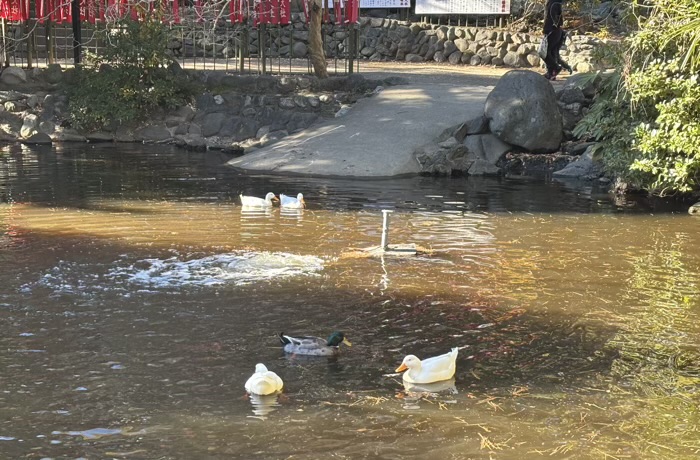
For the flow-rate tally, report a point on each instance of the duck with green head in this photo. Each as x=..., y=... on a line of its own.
x=314, y=346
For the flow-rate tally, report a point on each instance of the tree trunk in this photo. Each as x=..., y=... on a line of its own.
x=318, y=56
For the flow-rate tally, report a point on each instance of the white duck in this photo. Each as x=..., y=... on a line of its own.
x=429, y=370
x=290, y=202
x=263, y=382
x=255, y=202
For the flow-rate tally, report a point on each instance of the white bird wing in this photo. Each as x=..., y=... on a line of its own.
x=252, y=201
x=255, y=202
x=441, y=366
x=289, y=201
x=275, y=379
x=264, y=383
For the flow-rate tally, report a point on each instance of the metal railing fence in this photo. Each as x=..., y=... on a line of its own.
x=203, y=44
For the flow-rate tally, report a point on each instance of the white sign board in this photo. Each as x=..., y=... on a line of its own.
x=462, y=6
x=385, y=3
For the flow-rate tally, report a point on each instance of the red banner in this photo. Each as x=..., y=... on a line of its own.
x=338, y=12
x=285, y=11
x=352, y=11
x=14, y=10
x=176, y=11
x=60, y=11
x=276, y=12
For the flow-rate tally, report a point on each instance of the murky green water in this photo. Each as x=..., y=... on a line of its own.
x=137, y=297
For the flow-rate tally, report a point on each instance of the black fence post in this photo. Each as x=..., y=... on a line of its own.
x=77, y=32
x=262, y=43
x=352, y=49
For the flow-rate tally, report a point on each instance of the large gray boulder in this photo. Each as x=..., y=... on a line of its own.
x=13, y=76
x=587, y=83
x=483, y=168
x=37, y=139
x=445, y=158
x=694, y=210
x=522, y=110
x=53, y=74
x=29, y=126
x=487, y=147
x=583, y=168
x=153, y=134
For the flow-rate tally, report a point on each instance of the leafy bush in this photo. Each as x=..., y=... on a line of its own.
x=129, y=80
x=668, y=144
x=647, y=115
x=610, y=122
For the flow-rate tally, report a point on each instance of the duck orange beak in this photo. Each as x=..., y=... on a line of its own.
x=303, y=203
x=274, y=198
x=401, y=368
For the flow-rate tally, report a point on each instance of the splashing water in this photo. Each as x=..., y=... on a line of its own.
x=238, y=268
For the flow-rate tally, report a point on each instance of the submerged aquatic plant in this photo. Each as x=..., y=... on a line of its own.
x=658, y=357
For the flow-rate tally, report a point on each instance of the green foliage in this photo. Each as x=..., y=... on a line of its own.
x=610, y=122
x=129, y=80
x=647, y=117
x=669, y=144
x=671, y=30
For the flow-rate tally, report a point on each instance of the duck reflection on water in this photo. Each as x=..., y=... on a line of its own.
x=445, y=386
x=264, y=404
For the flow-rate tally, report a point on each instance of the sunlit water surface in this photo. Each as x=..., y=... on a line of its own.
x=137, y=296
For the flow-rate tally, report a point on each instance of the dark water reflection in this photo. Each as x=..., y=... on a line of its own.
x=77, y=175
x=137, y=297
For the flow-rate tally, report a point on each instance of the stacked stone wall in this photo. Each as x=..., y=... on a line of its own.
x=384, y=39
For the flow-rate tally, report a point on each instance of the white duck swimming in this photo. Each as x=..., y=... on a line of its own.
x=290, y=202
x=429, y=370
x=263, y=382
x=255, y=202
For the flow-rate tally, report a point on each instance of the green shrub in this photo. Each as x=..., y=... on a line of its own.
x=129, y=80
x=669, y=142
x=647, y=116
x=610, y=122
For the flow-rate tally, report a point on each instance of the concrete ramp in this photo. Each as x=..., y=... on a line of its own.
x=376, y=137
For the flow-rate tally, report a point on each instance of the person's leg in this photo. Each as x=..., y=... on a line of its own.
x=550, y=61
x=560, y=62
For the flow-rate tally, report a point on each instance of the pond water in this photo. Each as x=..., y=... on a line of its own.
x=137, y=296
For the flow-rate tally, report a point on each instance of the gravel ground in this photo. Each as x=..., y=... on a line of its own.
x=418, y=73
x=441, y=73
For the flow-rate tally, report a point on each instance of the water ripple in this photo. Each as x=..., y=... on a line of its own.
x=238, y=268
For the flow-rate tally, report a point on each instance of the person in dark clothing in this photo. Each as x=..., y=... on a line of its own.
x=553, y=21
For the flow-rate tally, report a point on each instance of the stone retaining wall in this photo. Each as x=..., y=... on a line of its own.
x=233, y=112
x=393, y=40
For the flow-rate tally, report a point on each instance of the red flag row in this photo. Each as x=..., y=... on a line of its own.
x=276, y=12
x=345, y=11
x=60, y=11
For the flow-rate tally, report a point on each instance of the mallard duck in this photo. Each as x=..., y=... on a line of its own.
x=429, y=370
x=314, y=346
x=292, y=203
x=255, y=202
x=263, y=382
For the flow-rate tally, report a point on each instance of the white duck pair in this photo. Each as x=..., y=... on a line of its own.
x=288, y=202
x=430, y=370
